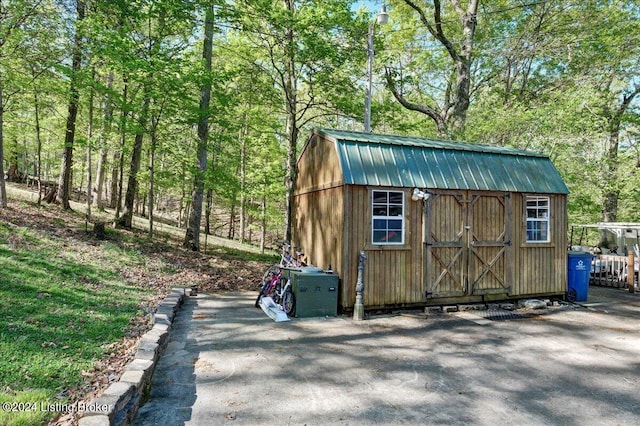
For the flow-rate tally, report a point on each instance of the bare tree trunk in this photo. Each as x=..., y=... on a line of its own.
x=83, y=165
x=232, y=221
x=36, y=108
x=291, y=127
x=117, y=174
x=263, y=222
x=126, y=219
x=102, y=156
x=64, y=185
x=101, y=177
x=208, y=208
x=611, y=190
x=3, y=188
x=152, y=160
x=192, y=236
x=243, y=182
x=120, y=176
x=89, y=153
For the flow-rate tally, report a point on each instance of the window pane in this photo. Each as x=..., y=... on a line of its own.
x=379, y=224
x=395, y=224
x=379, y=210
x=378, y=236
x=395, y=198
x=395, y=210
x=380, y=197
x=537, y=213
x=394, y=237
x=387, y=210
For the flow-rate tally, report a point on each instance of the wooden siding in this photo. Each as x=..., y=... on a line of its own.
x=393, y=274
x=318, y=166
x=488, y=260
x=318, y=226
x=541, y=268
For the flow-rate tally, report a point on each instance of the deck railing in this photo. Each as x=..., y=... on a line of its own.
x=613, y=271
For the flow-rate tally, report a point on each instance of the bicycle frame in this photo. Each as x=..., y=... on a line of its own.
x=280, y=291
x=273, y=284
x=287, y=259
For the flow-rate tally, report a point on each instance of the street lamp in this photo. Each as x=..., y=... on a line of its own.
x=381, y=19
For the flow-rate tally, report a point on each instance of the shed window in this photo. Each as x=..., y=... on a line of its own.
x=387, y=209
x=537, y=219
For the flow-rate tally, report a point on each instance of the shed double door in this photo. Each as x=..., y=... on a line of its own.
x=467, y=244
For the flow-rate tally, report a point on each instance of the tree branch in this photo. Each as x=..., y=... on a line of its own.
x=436, y=31
x=425, y=109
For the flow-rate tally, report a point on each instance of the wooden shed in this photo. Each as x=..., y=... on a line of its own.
x=440, y=222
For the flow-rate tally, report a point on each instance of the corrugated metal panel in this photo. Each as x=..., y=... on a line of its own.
x=399, y=161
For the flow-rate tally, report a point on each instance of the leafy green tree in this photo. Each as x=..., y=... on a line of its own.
x=609, y=63
x=155, y=39
x=192, y=237
x=557, y=86
x=251, y=120
x=65, y=183
x=18, y=25
x=305, y=47
x=450, y=29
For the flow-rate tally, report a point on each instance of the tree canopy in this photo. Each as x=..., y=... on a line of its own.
x=117, y=88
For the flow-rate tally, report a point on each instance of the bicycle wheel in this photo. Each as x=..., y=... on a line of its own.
x=264, y=291
x=260, y=294
x=288, y=302
x=273, y=269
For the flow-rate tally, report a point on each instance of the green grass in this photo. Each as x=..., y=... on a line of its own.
x=62, y=303
x=233, y=253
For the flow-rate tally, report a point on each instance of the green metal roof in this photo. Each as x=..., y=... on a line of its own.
x=403, y=161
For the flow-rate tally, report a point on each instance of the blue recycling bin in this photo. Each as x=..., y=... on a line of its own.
x=579, y=264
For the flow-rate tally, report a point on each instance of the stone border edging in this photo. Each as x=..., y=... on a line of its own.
x=119, y=403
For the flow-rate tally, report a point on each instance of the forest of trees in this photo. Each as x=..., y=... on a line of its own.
x=195, y=110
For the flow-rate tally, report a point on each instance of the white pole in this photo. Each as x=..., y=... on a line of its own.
x=381, y=19
x=367, y=99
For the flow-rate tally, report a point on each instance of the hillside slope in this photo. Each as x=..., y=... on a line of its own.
x=68, y=296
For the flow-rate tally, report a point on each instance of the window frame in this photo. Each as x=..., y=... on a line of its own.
x=377, y=217
x=540, y=221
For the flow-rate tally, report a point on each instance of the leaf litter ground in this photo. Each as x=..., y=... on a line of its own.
x=159, y=265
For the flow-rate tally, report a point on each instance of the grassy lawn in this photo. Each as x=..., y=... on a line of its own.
x=65, y=303
x=72, y=308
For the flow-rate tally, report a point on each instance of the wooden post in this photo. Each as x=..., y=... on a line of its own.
x=631, y=273
x=358, y=308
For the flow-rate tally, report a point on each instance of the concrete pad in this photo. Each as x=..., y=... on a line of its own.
x=227, y=362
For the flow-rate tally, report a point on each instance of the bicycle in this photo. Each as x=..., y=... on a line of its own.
x=276, y=286
x=279, y=289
